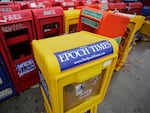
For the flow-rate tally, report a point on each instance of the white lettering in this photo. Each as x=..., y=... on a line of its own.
x=83, y=52
x=25, y=67
x=12, y=17
x=86, y=50
x=69, y=3
x=13, y=27
x=94, y=48
x=49, y=12
x=64, y=57
x=73, y=54
x=3, y=10
x=99, y=47
x=108, y=45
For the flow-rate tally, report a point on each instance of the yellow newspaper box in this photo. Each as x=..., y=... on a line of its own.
x=126, y=44
x=71, y=18
x=75, y=70
x=145, y=29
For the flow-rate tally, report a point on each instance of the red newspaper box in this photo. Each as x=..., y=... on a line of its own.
x=134, y=8
x=26, y=4
x=43, y=4
x=9, y=8
x=103, y=23
x=117, y=6
x=55, y=2
x=34, y=5
x=48, y=21
x=16, y=34
x=67, y=5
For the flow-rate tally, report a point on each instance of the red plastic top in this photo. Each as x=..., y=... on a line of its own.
x=44, y=4
x=21, y=2
x=135, y=5
x=6, y=3
x=47, y=12
x=16, y=16
x=9, y=8
x=116, y=6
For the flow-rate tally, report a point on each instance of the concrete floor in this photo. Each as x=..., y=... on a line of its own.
x=128, y=92
x=129, y=89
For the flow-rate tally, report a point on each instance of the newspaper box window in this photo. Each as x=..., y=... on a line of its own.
x=79, y=70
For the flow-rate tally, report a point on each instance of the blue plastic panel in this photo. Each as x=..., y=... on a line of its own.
x=7, y=92
x=4, y=76
x=77, y=56
x=89, y=111
x=129, y=0
x=146, y=11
